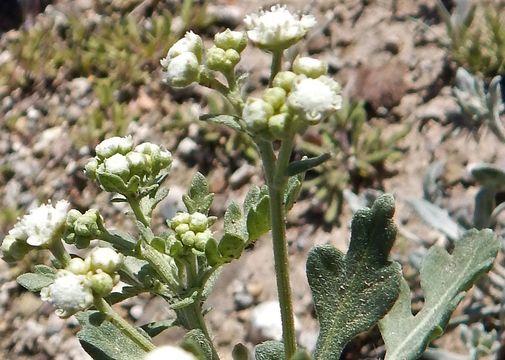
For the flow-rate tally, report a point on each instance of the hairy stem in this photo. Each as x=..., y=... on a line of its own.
x=59, y=252
x=124, y=326
x=276, y=65
x=276, y=180
x=137, y=211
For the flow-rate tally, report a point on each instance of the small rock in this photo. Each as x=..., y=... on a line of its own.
x=187, y=148
x=79, y=87
x=266, y=322
x=241, y=176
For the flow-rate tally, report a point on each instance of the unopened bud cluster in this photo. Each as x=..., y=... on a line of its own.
x=82, y=228
x=296, y=99
x=120, y=167
x=40, y=228
x=191, y=231
x=75, y=287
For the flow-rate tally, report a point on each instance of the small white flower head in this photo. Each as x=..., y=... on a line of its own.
x=315, y=99
x=190, y=43
x=105, y=259
x=13, y=249
x=235, y=40
x=277, y=29
x=256, y=113
x=78, y=266
x=114, y=145
x=70, y=293
x=168, y=352
x=137, y=163
x=42, y=225
x=182, y=70
x=117, y=165
x=313, y=68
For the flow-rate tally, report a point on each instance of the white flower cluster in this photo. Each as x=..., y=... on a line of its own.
x=168, y=352
x=277, y=29
x=303, y=96
x=39, y=228
x=191, y=231
x=117, y=156
x=76, y=286
x=182, y=64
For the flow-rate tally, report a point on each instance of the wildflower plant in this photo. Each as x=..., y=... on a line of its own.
x=351, y=291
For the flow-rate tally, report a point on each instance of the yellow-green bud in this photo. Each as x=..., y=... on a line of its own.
x=275, y=96
x=78, y=266
x=12, y=249
x=101, y=283
x=198, y=222
x=236, y=40
x=256, y=114
x=180, y=218
x=182, y=70
x=313, y=68
x=105, y=259
x=201, y=239
x=285, y=80
x=190, y=43
x=182, y=228
x=222, y=60
x=117, y=165
x=137, y=162
x=90, y=168
x=188, y=238
x=277, y=125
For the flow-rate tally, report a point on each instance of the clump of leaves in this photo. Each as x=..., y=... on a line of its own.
x=359, y=153
x=476, y=35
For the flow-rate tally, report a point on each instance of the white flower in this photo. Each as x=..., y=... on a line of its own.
x=190, y=43
x=277, y=29
x=199, y=222
x=42, y=225
x=315, y=99
x=105, y=259
x=114, y=145
x=181, y=70
x=256, y=113
x=70, y=293
x=168, y=352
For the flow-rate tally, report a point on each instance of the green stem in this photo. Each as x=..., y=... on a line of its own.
x=276, y=65
x=124, y=326
x=137, y=211
x=276, y=180
x=59, y=252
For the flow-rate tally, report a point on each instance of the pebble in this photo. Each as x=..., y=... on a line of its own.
x=79, y=87
x=266, y=322
x=241, y=176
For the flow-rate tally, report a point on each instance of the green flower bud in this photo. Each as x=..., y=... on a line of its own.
x=201, y=239
x=180, y=218
x=114, y=145
x=137, y=162
x=117, y=165
x=101, y=283
x=275, y=96
x=78, y=266
x=190, y=43
x=188, y=238
x=236, y=40
x=182, y=228
x=90, y=168
x=198, y=222
x=277, y=125
x=182, y=70
x=285, y=80
x=256, y=114
x=310, y=67
x=12, y=249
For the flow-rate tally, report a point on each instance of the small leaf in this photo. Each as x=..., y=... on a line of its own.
x=228, y=120
x=301, y=166
x=155, y=328
x=269, y=350
x=102, y=340
x=34, y=282
x=240, y=352
x=197, y=343
x=352, y=292
x=257, y=212
x=488, y=175
x=485, y=203
x=436, y=217
x=230, y=247
x=293, y=189
x=444, y=279
x=198, y=198
x=234, y=223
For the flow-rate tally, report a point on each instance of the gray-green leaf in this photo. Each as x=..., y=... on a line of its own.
x=198, y=197
x=269, y=350
x=352, y=292
x=444, y=279
x=104, y=341
x=228, y=120
x=42, y=277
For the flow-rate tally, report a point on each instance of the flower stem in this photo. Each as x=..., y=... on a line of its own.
x=137, y=211
x=124, y=326
x=59, y=252
x=276, y=64
x=276, y=180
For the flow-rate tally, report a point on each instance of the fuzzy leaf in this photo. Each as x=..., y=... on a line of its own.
x=436, y=217
x=195, y=342
x=269, y=350
x=293, y=190
x=444, y=279
x=102, y=340
x=155, y=328
x=488, y=175
x=240, y=352
x=257, y=212
x=198, y=198
x=34, y=282
x=485, y=203
x=353, y=291
x=228, y=120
